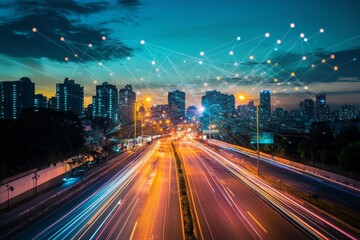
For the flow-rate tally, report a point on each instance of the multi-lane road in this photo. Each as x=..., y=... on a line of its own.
x=139, y=199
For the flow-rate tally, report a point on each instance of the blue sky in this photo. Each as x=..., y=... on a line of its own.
x=175, y=32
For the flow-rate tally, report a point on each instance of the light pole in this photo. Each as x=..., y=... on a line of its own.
x=257, y=139
x=36, y=178
x=9, y=188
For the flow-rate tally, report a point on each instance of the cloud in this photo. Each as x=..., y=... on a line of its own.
x=129, y=3
x=55, y=19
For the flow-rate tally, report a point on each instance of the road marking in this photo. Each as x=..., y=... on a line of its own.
x=133, y=231
x=231, y=192
x=257, y=221
x=119, y=202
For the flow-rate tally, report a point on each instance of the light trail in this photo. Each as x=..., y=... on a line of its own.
x=313, y=223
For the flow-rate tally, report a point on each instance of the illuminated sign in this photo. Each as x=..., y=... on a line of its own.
x=264, y=138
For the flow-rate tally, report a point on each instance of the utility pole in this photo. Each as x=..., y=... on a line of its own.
x=257, y=139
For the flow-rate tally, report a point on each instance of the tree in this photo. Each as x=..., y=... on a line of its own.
x=349, y=158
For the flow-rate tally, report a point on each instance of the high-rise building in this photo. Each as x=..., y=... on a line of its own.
x=216, y=106
x=321, y=109
x=52, y=103
x=70, y=97
x=40, y=101
x=127, y=99
x=105, y=103
x=307, y=109
x=177, y=99
x=15, y=96
x=347, y=112
x=265, y=105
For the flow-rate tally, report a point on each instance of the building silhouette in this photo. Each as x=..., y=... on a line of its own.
x=321, y=108
x=217, y=107
x=16, y=96
x=40, y=101
x=265, y=105
x=176, y=102
x=70, y=97
x=105, y=103
x=127, y=99
x=307, y=110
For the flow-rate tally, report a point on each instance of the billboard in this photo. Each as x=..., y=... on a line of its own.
x=264, y=138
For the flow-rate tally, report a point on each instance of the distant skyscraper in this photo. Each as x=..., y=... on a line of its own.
x=15, y=96
x=321, y=108
x=265, y=105
x=52, y=103
x=40, y=101
x=177, y=98
x=216, y=106
x=307, y=109
x=347, y=112
x=70, y=97
x=127, y=99
x=105, y=103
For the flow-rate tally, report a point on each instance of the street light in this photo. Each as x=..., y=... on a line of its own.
x=9, y=188
x=147, y=100
x=36, y=177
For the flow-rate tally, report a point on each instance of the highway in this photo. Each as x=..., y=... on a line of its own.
x=226, y=208
x=138, y=200
x=229, y=200
x=339, y=194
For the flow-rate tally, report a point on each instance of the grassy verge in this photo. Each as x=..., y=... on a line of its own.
x=185, y=201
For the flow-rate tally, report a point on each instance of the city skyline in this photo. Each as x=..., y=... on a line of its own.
x=218, y=47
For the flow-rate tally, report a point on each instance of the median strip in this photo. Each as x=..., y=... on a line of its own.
x=188, y=219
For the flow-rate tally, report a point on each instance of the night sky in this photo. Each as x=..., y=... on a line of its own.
x=194, y=46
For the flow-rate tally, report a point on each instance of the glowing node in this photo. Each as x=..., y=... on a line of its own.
x=62, y=39
x=34, y=30
x=100, y=64
x=141, y=79
x=142, y=42
x=278, y=41
x=267, y=35
x=200, y=62
x=276, y=49
x=323, y=61
x=274, y=91
x=157, y=69
x=205, y=84
x=293, y=74
x=198, y=77
x=202, y=53
x=251, y=57
x=268, y=61
x=313, y=65
x=242, y=97
x=276, y=64
x=231, y=53
x=218, y=78
x=90, y=45
x=184, y=61
x=332, y=56
x=153, y=62
x=336, y=68
x=304, y=58
x=276, y=80
x=296, y=88
x=238, y=38
x=128, y=58
x=302, y=35
x=103, y=38
x=76, y=55
x=236, y=75
x=66, y=59
x=354, y=59
x=306, y=87
x=235, y=64
x=305, y=39
x=111, y=74
x=292, y=25
x=322, y=30
x=95, y=82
